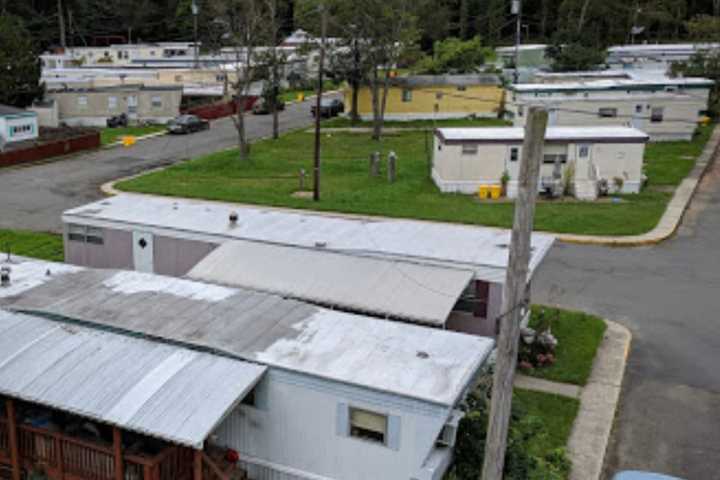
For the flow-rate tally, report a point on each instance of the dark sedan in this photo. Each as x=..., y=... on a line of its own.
x=329, y=108
x=187, y=124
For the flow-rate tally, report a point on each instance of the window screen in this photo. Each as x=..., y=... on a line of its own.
x=657, y=114
x=608, y=112
x=469, y=148
x=407, y=95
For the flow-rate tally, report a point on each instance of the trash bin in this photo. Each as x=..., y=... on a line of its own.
x=483, y=192
x=301, y=96
x=495, y=191
x=128, y=141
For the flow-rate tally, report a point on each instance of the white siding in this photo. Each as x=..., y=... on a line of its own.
x=294, y=427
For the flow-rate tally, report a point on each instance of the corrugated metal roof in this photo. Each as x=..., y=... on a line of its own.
x=482, y=248
x=379, y=286
x=164, y=391
x=259, y=327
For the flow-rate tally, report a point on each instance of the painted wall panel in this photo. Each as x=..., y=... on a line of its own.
x=176, y=256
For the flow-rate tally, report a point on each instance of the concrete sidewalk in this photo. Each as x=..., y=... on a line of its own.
x=593, y=425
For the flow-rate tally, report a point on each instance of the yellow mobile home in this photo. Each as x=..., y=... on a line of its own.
x=435, y=96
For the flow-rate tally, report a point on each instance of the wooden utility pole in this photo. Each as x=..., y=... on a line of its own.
x=514, y=295
x=118, y=454
x=61, y=22
x=517, y=11
x=318, y=100
x=13, y=439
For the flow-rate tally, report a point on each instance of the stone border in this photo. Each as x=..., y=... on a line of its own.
x=588, y=442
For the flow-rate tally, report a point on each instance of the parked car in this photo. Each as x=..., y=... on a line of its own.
x=117, y=121
x=329, y=107
x=637, y=475
x=187, y=124
x=262, y=106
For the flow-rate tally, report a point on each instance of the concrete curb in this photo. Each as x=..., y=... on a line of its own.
x=137, y=139
x=670, y=221
x=591, y=431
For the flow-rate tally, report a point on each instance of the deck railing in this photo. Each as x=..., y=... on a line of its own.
x=68, y=458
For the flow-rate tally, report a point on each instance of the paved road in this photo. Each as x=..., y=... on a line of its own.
x=669, y=296
x=34, y=197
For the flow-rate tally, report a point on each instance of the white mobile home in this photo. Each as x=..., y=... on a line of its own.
x=17, y=125
x=656, y=57
x=466, y=158
x=93, y=106
x=337, y=396
x=443, y=275
x=665, y=108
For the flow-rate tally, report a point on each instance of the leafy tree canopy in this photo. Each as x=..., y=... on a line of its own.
x=454, y=55
x=19, y=64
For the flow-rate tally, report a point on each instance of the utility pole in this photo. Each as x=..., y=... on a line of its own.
x=195, y=10
x=516, y=10
x=316, y=164
x=61, y=21
x=514, y=295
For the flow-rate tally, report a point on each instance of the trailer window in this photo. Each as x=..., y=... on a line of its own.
x=368, y=425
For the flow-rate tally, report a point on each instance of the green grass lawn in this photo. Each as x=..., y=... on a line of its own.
x=579, y=336
x=344, y=122
x=557, y=413
x=46, y=246
x=271, y=177
x=112, y=135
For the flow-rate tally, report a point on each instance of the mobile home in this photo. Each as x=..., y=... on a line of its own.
x=466, y=158
x=307, y=393
x=443, y=275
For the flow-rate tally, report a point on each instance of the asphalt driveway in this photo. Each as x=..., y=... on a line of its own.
x=669, y=296
x=33, y=197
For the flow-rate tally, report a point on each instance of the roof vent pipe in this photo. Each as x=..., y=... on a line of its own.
x=4, y=276
x=233, y=218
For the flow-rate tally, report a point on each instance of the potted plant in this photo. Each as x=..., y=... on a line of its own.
x=504, y=179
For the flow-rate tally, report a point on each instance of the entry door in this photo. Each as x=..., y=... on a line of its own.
x=637, y=119
x=552, y=117
x=132, y=103
x=143, y=252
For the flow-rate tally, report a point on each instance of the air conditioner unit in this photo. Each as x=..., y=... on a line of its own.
x=448, y=434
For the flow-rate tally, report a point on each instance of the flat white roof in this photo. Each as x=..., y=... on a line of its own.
x=516, y=134
x=667, y=47
x=424, y=363
x=633, y=83
x=527, y=46
x=480, y=248
x=381, y=287
x=165, y=391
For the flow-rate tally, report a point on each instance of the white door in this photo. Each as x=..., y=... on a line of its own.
x=552, y=117
x=637, y=120
x=132, y=104
x=143, y=252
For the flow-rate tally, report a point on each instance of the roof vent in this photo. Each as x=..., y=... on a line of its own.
x=233, y=218
x=4, y=276
x=320, y=244
x=423, y=355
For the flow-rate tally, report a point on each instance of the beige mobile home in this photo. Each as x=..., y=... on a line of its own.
x=92, y=106
x=665, y=108
x=466, y=158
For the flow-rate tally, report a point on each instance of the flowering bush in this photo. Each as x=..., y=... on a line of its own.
x=537, y=346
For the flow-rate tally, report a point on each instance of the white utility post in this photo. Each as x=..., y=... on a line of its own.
x=514, y=295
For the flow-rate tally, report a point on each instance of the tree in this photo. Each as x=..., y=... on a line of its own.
x=455, y=56
x=389, y=30
x=575, y=56
x=243, y=26
x=19, y=65
x=705, y=65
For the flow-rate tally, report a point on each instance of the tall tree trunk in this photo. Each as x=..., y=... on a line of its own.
x=544, y=18
x=464, y=14
x=61, y=22
x=243, y=146
x=275, y=89
x=377, y=119
x=583, y=14
x=354, y=115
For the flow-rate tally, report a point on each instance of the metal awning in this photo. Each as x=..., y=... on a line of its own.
x=165, y=391
x=379, y=286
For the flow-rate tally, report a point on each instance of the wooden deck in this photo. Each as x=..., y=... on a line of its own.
x=63, y=457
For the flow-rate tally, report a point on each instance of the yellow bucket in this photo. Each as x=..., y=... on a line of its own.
x=483, y=192
x=300, y=96
x=495, y=191
x=128, y=140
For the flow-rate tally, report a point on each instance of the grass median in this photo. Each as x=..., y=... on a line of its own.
x=112, y=135
x=272, y=176
x=45, y=246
